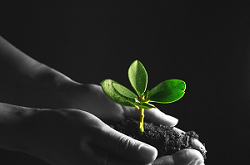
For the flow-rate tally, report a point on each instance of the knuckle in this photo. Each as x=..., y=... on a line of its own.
x=126, y=144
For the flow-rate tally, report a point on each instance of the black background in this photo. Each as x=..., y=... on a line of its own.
x=205, y=44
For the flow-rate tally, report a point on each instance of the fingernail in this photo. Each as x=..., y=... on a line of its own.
x=148, y=153
x=171, y=121
x=174, y=120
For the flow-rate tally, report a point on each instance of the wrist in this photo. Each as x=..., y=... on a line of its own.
x=42, y=89
x=15, y=127
x=45, y=77
x=52, y=87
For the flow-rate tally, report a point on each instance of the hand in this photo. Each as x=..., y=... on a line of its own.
x=75, y=137
x=52, y=140
x=91, y=98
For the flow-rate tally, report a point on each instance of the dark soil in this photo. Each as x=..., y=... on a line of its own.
x=165, y=139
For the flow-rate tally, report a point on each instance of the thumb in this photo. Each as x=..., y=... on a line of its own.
x=188, y=156
x=124, y=146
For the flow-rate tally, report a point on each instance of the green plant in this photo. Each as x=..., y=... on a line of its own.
x=166, y=92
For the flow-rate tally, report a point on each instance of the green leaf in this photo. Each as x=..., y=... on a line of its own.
x=118, y=93
x=138, y=77
x=145, y=105
x=167, y=91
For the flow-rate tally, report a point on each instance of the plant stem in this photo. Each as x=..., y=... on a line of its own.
x=141, y=110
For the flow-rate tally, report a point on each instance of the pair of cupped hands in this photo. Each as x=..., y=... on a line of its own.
x=72, y=132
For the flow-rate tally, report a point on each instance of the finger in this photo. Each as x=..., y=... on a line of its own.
x=152, y=115
x=97, y=156
x=165, y=160
x=158, y=117
x=123, y=146
x=188, y=157
x=183, y=157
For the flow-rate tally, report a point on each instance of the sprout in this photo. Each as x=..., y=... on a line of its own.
x=166, y=92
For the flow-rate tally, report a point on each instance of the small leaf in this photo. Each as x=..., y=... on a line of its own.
x=145, y=105
x=138, y=77
x=118, y=93
x=123, y=90
x=167, y=91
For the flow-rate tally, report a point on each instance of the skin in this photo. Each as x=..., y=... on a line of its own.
x=56, y=119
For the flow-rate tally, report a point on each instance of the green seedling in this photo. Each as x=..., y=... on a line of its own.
x=166, y=92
